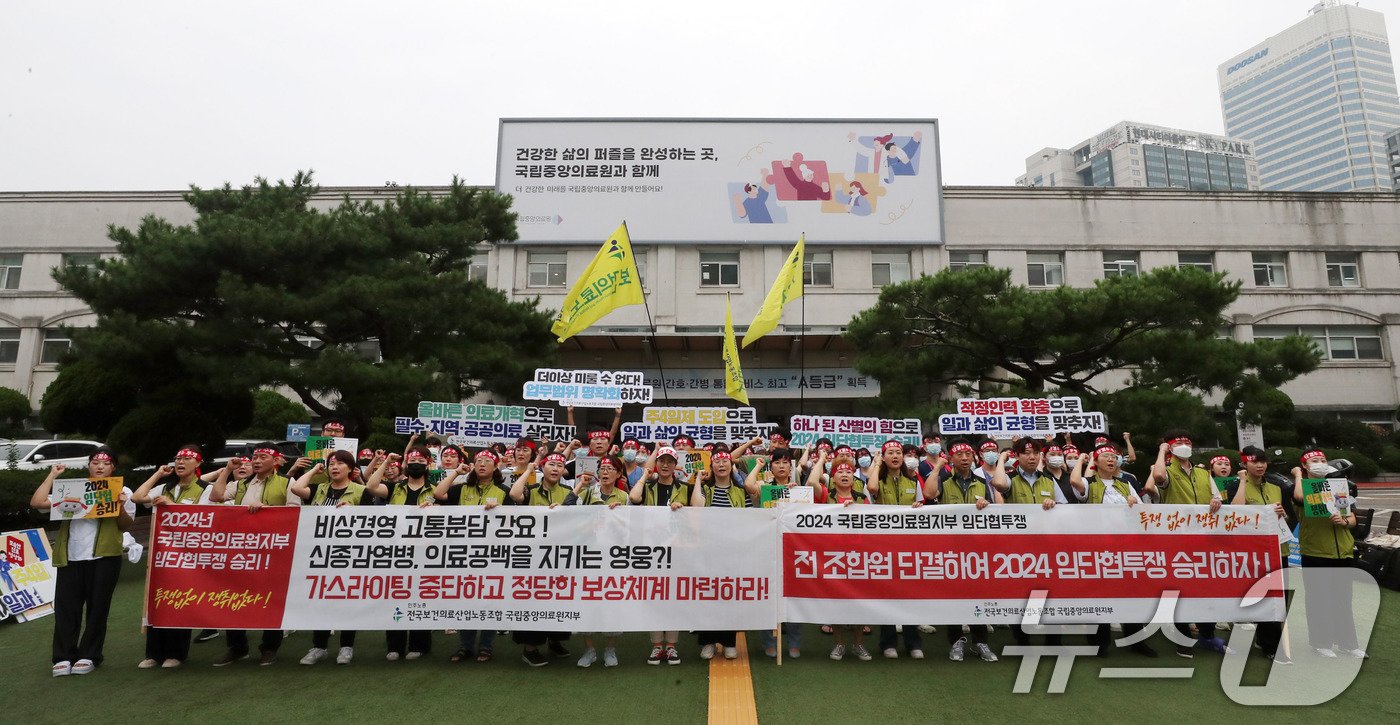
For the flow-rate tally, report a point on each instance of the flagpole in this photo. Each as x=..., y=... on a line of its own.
x=802, y=355
x=656, y=349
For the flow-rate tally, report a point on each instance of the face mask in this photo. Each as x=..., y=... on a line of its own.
x=991, y=457
x=827, y=467
x=863, y=461
x=416, y=470
x=1319, y=470
x=911, y=462
x=629, y=455
x=1056, y=461
x=1181, y=451
x=935, y=449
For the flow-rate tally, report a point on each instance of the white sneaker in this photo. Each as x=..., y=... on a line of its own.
x=346, y=654
x=955, y=653
x=588, y=658
x=838, y=652
x=861, y=653
x=610, y=657
x=1326, y=653
x=707, y=652
x=148, y=663
x=891, y=653
x=170, y=664
x=314, y=655
x=1359, y=654
x=732, y=653
x=927, y=628
x=392, y=656
x=984, y=652
x=916, y=654
x=62, y=669
x=82, y=667
x=413, y=655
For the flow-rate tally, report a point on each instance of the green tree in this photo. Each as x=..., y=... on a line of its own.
x=272, y=413
x=14, y=409
x=361, y=310
x=1156, y=335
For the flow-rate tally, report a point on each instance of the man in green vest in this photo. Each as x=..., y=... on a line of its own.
x=959, y=485
x=551, y=492
x=264, y=488
x=1031, y=485
x=1182, y=484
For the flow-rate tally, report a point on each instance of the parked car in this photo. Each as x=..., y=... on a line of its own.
x=34, y=454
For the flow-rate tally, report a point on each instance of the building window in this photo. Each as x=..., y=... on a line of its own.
x=816, y=269
x=1045, y=269
x=1120, y=264
x=10, y=267
x=9, y=346
x=55, y=346
x=1199, y=260
x=963, y=260
x=640, y=257
x=547, y=269
x=1343, y=269
x=889, y=268
x=1336, y=342
x=476, y=271
x=81, y=260
x=1270, y=269
x=719, y=269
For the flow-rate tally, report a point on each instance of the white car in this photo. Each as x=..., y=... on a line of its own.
x=35, y=454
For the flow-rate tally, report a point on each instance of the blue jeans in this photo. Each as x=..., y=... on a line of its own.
x=792, y=636
x=467, y=639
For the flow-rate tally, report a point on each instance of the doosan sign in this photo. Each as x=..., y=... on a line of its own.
x=1246, y=61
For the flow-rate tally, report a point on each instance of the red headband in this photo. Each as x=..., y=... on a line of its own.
x=1071, y=449
x=1181, y=439
x=528, y=444
x=244, y=459
x=274, y=452
x=1105, y=449
x=960, y=448
x=598, y=434
x=190, y=453
x=1248, y=458
x=488, y=453
x=1225, y=459
x=1054, y=449
x=365, y=453
x=100, y=456
x=843, y=466
x=776, y=437
x=990, y=446
x=554, y=458
x=720, y=456
x=631, y=444
x=606, y=462
x=334, y=426
x=891, y=444
x=1308, y=455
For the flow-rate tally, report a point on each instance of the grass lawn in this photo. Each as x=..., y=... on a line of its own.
x=810, y=690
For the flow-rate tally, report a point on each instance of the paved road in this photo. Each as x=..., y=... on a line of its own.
x=1384, y=501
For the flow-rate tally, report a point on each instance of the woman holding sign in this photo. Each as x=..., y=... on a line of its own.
x=609, y=492
x=1327, y=543
x=1254, y=490
x=720, y=487
x=665, y=487
x=337, y=491
x=894, y=482
x=484, y=485
x=88, y=555
x=845, y=493
x=170, y=647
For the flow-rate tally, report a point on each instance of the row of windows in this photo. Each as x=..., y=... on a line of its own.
x=55, y=343
x=1336, y=342
x=12, y=266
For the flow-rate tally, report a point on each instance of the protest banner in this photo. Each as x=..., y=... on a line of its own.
x=586, y=464
x=478, y=425
x=703, y=424
x=1004, y=418
x=85, y=498
x=854, y=432
x=580, y=568
x=770, y=495
x=1323, y=497
x=318, y=447
x=693, y=462
x=955, y=564
x=27, y=575
x=587, y=388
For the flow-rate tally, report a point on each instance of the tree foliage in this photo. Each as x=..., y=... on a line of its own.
x=1152, y=341
x=272, y=413
x=362, y=310
x=14, y=409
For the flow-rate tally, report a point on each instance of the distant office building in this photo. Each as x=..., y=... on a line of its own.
x=1392, y=155
x=1316, y=101
x=1138, y=154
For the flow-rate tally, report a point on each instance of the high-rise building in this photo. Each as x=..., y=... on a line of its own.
x=1316, y=101
x=1132, y=154
x=1392, y=155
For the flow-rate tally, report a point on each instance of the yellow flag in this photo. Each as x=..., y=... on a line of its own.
x=787, y=287
x=733, y=374
x=610, y=281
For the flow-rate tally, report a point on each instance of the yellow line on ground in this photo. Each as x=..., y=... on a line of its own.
x=731, y=688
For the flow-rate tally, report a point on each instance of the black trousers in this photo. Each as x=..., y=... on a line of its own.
x=536, y=639
x=168, y=644
x=238, y=640
x=82, y=600
x=322, y=638
x=1103, y=636
x=1330, y=618
x=976, y=633
x=722, y=639
x=913, y=638
x=404, y=641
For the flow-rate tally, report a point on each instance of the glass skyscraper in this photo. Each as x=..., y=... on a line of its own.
x=1316, y=101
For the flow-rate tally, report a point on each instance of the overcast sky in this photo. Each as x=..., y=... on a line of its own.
x=157, y=95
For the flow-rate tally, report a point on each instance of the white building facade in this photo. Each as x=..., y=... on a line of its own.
x=1317, y=101
x=1136, y=155
x=1323, y=265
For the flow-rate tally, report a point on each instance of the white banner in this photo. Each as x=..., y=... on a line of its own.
x=723, y=181
x=853, y=431
x=478, y=425
x=1016, y=417
x=958, y=565
x=703, y=425
x=824, y=383
x=587, y=388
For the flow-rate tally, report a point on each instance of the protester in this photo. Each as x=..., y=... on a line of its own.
x=1182, y=483
x=894, y=482
x=412, y=491
x=1255, y=490
x=551, y=492
x=483, y=485
x=960, y=485
x=337, y=491
x=720, y=487
x=843, y=493
x=169, y=648
x=663, y=488
x=1327, y=543
x=608, y=492
x=88, y=556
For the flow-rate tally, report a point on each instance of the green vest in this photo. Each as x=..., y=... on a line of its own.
x=1257, y=493
x=353, y=492
x=738, y=497
x=109, y=541
x=399, y=496
x=1319, y=537
x=949, y=492
x=274, y=492
x=1097, y=487
x=680, y=493
x=1023, y=491
x=189, y=494
x=536, y=495
x=1196, y=488
x=472, y=495
x=900, y=491
x=590, y=498
x=858, y=492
